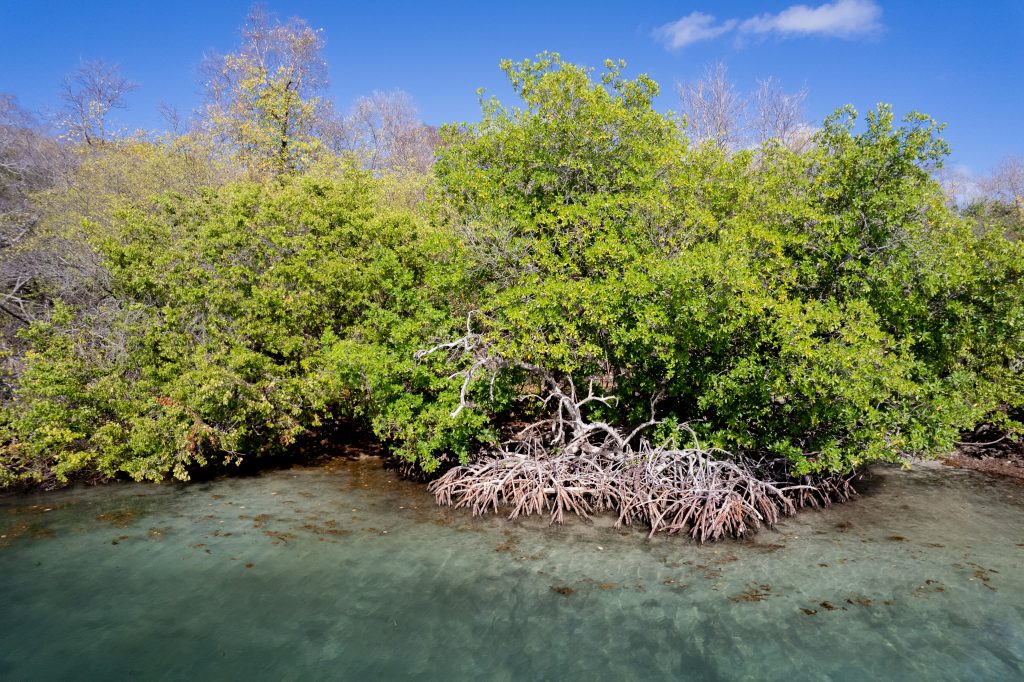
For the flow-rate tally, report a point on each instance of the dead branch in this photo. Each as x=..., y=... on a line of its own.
x=568, y=463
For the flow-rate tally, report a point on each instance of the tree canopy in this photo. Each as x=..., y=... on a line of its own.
x=579, y=268
x=824, y=306
x=263, y=99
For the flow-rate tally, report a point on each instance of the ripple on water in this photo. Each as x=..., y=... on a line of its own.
x=345, y=571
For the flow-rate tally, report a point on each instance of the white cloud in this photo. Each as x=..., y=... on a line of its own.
x=840, y=19
x=692, y=28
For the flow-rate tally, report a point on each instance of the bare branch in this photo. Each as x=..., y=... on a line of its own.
x=89, y=94
x=1006, y=183
x=779, y=116
x=714, y=110
x=384, y=130
x=567, y=463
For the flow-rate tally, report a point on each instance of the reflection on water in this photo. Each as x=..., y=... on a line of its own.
x=343, y=571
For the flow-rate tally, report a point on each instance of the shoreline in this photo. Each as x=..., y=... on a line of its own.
x=1004, y=463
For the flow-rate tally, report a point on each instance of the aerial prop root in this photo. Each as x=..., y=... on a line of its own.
x=566, y=464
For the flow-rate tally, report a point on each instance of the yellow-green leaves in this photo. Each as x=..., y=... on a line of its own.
x=262, y=100
x=824, y=306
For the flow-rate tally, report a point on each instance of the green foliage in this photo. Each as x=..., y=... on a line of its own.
x=824, y=308
x=128, y=173
x=263, y=99
x=245, y=317
x=561, y=185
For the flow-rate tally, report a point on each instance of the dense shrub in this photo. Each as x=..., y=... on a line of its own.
x=823, y=308
x=243, y=318
x=826, y=307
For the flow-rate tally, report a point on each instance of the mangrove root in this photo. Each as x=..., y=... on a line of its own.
x=568, y=464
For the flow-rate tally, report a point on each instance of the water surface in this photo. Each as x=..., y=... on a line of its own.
x=345, y=572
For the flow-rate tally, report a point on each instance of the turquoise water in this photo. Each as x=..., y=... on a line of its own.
x=345, y=572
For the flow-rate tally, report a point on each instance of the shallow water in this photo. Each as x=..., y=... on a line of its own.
x=346, y=572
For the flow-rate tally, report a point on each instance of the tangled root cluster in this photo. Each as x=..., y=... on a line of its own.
x=566, y=464
x=569, y=464
x=670, y=490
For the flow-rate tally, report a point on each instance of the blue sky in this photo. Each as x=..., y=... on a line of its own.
x=958, y=61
